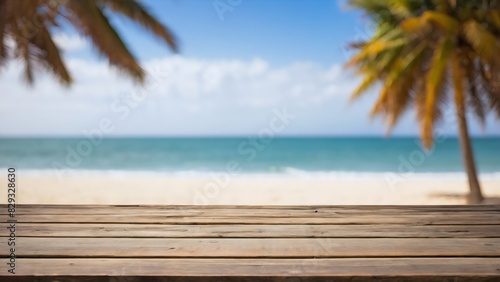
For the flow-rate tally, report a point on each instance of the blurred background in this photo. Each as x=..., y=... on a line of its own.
x=253, y=108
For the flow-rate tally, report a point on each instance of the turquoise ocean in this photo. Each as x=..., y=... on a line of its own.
x=317, y=157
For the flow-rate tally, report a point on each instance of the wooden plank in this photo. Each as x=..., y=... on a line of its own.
x=347, y=242
x=290, y=210
x=255, y=231
x=192, y=212
x=276, y=207
x=253, y=248
x=380, y=268
x=270, y=207
x=449, y=219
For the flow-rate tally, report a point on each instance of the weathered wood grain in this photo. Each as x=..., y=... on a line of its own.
x=449, y=208
x=269, y=213
x=262, y=210
x=447, y=219
x=254, y=231
x=365, y=267
x=259, y=248
x=254, y=243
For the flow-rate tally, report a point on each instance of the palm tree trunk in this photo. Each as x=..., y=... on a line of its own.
x=475, y=195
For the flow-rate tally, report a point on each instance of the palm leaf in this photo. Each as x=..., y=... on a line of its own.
x=399, y=101
x=406, y=64
x=490, y=88
x=368, y=81
x=139, y=14
x=459, y=40
x=51, y=56
x=475, y=98
x=415, y=24
x=434, y=83
x=458, y=84
x=483, y=42
x=423, y=23
x=3, y=23
x=26, y=56
x=409, y=72
x=380, y=106
x=494, y=16
x=20, y=31
x=90, y=19
x=30, y=23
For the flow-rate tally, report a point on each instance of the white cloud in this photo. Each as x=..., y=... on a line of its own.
x=69, y=42
x=187, y=96
x=242, y=81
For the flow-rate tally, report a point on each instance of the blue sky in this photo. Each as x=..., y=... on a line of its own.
x=282, y=32
x=233, y=72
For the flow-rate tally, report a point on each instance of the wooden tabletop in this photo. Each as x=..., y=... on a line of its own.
x=251, y=243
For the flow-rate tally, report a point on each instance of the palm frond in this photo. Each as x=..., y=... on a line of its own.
x=3, y=23
x=26, y=56
x=406, y=65
x=455, y=39
x=30, y=23
x=483, y=42
x=20, y=31
x=51, y=58
x=380, y=106
x=435, y=79
x=457, y=75
x=475, y=100
x=368, y=81
x=88, y=18
x=399, y=101
x=487, y=85
x=494, y=18
x=414, y=25
x=139, y=14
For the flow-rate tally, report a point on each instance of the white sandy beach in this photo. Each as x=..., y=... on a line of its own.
x=176, y=191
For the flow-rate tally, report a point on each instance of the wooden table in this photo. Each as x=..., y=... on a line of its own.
x=253, y=243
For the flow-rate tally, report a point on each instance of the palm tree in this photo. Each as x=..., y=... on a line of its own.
x=28, y=25
x=425, y=52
